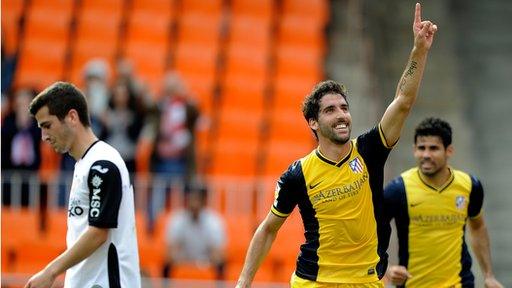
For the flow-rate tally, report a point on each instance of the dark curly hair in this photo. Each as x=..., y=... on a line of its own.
x=311, y=104
x=60, y=97
x=434, y=127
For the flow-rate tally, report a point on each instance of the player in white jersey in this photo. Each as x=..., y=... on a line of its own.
x=101, y=238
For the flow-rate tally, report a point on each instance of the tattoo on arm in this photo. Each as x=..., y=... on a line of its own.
x=408, y=73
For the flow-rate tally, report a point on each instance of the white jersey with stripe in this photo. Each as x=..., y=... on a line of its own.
x=102, y=196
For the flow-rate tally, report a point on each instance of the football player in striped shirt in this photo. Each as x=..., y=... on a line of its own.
x=431, y=204
x=338, y=186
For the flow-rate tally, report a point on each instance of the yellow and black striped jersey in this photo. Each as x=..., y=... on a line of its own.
x=431, y=227
x=340, y=205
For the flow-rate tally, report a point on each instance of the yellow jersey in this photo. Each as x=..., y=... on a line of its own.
x=341, y=205
x=431, y=227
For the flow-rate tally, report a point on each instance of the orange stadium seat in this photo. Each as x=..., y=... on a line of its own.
x=36, y=69
x=314, y=9
x=280, y=154
x=151, y=27
x=240, y=229
x=12, y=11
x=112, y=6
x=262, y=9
x=234, y=157
x=250, y=30
x=65, y=6
x=147, y=45
x=164, y=7
x=57, y=23
x=196, y=59
x=13, y=236
x=286, y=247
x=35, y=255
x=56, y=227
x=289, y=91
x=286, y=124
x=199, y=28
x=207, y=7
x=149, y=62
x=303, y=32
x=97, y=34
x=241, y=91
x=299, y=62
x=253, y=62
x=239, y=124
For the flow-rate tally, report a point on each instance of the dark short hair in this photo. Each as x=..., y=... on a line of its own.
x=434, y=127
x=311, y=104
x=60, y=97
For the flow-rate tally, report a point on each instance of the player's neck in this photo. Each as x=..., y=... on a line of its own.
x=438, y=179
x=83, y=140
x=332, y=151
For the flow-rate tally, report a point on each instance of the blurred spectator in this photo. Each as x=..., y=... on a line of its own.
x=8, y=66
x=173, y=154
x=20, y=145
x=195, y=235
x=96, y=87
x=123, y=123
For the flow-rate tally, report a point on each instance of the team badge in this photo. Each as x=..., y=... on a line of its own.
x=356, y=165
x=460, y=202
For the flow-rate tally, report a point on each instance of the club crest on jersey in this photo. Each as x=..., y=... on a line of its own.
x=460, y=202
x=356, y=165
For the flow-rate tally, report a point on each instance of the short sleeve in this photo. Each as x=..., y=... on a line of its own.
x=105, y=193
x=289, y=186
x=476, y=198
x=394, y=198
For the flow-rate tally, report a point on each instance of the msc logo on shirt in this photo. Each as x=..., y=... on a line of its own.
x=96, y=198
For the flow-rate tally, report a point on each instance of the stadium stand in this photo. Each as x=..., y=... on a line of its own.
x=249, y=65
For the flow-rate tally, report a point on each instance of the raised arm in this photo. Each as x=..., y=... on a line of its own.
x=394, y=118
x=481, y=248
x=259, y=247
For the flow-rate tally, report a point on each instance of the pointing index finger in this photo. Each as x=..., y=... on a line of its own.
x=417, y=14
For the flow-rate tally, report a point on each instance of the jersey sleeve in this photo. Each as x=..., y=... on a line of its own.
x=394, y=198
x=373, y=147
x=105, y=192
x=476, y=198
x=287, y=190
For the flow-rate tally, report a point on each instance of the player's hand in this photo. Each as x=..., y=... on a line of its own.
x=398, y=274
x=43, y=279
x=491, y=282
x=423, y=30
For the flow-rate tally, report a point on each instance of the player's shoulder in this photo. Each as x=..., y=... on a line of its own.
x=465, y=178
x=410, y=174
x=102, y=151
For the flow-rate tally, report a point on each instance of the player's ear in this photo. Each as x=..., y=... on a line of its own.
x=73, y=116
x=313, y=124
x=450, y=150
